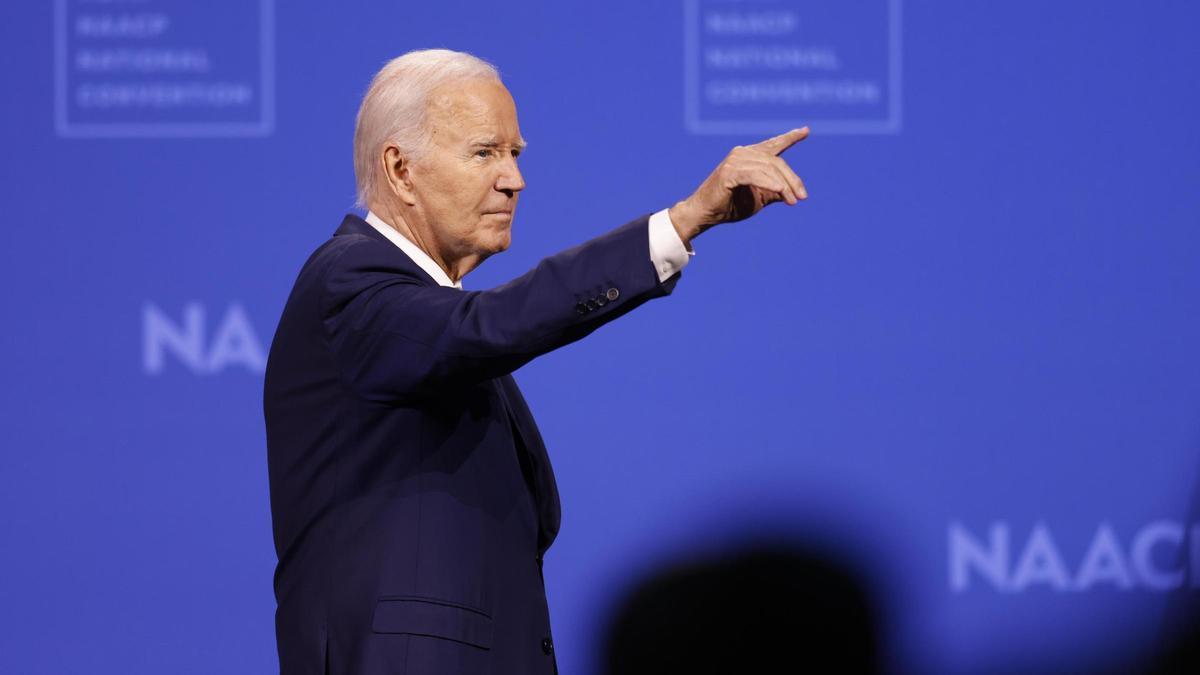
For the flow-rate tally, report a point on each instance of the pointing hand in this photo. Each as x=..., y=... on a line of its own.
x=749, y=178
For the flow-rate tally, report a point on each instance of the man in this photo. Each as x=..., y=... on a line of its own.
x=411, y=494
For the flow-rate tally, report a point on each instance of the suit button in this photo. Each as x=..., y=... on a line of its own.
x=613, y=293
x=591, y=304
x=601, y=300
x=547, y=646
x=580, y=308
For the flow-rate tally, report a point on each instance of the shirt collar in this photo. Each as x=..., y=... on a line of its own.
x=413, y=251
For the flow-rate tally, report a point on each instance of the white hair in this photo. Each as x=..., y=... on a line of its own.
x=394, y=109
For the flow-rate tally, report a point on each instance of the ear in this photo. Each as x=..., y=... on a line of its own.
x=397, y=172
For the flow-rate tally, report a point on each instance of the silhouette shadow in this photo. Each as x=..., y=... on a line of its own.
x=760, y=609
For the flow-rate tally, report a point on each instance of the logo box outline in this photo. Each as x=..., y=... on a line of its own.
x=265, y=125
x=691, y=88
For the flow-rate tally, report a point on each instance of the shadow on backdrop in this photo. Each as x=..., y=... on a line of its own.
x=757, y=609
x=1181, y=652
x=1180, y=635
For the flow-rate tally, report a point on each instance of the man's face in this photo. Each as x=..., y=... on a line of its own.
x=466, y=186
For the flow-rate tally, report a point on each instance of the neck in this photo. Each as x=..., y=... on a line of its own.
x=414, y=228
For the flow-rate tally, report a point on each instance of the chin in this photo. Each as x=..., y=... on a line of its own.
x=503, y=240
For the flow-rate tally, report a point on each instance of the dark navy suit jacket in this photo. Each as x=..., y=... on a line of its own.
x=412, y=498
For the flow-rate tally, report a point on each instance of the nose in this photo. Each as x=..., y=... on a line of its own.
x=510, y=181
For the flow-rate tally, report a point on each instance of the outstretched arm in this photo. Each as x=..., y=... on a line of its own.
x=396, y=337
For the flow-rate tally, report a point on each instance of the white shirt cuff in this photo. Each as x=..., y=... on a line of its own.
x=666, y=248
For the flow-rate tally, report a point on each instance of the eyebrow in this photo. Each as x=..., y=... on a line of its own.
x=493, y=143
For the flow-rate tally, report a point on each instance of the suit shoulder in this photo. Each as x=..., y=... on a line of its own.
x=357, y=255
x=342, y=262
x=349, y=251
x=356, y=264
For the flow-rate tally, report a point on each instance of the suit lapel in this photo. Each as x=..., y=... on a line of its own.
x=529, y=441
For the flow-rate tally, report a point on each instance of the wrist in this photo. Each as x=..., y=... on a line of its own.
x=685, y=224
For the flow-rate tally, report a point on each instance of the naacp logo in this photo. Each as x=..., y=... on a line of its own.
x=231, y=344
x=1160, y=556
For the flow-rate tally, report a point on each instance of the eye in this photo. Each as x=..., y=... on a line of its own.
x=483, y=153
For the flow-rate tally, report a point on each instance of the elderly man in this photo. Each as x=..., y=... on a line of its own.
x=411, y=494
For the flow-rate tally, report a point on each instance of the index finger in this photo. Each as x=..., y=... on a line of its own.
x=778, y=144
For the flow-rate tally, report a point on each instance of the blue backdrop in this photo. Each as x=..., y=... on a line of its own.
x=968, y=363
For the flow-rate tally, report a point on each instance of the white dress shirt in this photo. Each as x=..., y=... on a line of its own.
x=666, y=249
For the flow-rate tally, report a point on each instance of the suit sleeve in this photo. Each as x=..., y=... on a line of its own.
x=394, y=336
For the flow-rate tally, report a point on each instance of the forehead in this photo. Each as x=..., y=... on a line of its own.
x=472, y=108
